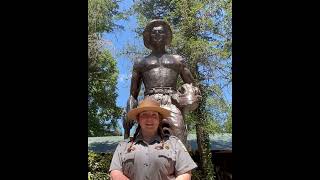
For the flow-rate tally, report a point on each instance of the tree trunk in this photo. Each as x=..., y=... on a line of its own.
x=203, y=140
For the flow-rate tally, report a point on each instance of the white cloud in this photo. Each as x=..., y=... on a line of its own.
x=123, y=78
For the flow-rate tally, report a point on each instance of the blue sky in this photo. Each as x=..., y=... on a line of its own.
x=117, y=41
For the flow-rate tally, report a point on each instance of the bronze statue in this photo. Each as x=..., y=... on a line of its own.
x=159, y=72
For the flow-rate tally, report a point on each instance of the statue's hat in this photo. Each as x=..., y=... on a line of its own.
x=147, y=32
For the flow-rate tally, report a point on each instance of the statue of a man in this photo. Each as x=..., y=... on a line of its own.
x=159, y=73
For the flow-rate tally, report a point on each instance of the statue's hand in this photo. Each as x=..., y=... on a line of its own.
x=132, y=103
x=197, y=92
x=128, y=123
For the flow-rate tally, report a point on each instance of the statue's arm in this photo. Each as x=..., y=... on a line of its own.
x=187, y=76
x=185, y=73
x=135, y=84
x=136, y=81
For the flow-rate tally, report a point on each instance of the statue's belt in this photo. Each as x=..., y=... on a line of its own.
x=160, y=90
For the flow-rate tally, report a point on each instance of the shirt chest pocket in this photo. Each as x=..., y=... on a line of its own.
x=167, y=161
x=128, y=164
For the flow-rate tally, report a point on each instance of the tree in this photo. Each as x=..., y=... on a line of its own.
x=102, y=71
x=228, y=123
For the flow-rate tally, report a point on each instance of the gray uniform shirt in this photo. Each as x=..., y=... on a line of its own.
x=148, y=161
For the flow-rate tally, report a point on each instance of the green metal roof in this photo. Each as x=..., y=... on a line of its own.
x=109, y=143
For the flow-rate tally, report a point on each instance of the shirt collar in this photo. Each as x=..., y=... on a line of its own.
x=139, y=138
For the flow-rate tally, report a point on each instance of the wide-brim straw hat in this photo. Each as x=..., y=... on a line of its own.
x=148, y=105
x=147, y=32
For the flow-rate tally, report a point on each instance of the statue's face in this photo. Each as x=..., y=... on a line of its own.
x=158, y=35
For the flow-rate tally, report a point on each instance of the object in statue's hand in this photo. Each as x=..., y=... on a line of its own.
x=189, y=97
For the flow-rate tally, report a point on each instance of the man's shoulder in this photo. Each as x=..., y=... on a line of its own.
x=142, y=60
x=178, y=58
x=138, y=60
x=138, y=63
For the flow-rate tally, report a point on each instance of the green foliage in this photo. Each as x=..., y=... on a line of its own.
x=100, y=15
x=102, y=71
x=228, y=123
x=99, y=162
x=98, y=176
x=103, y=112
x=212, y=125
x=98, y=165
